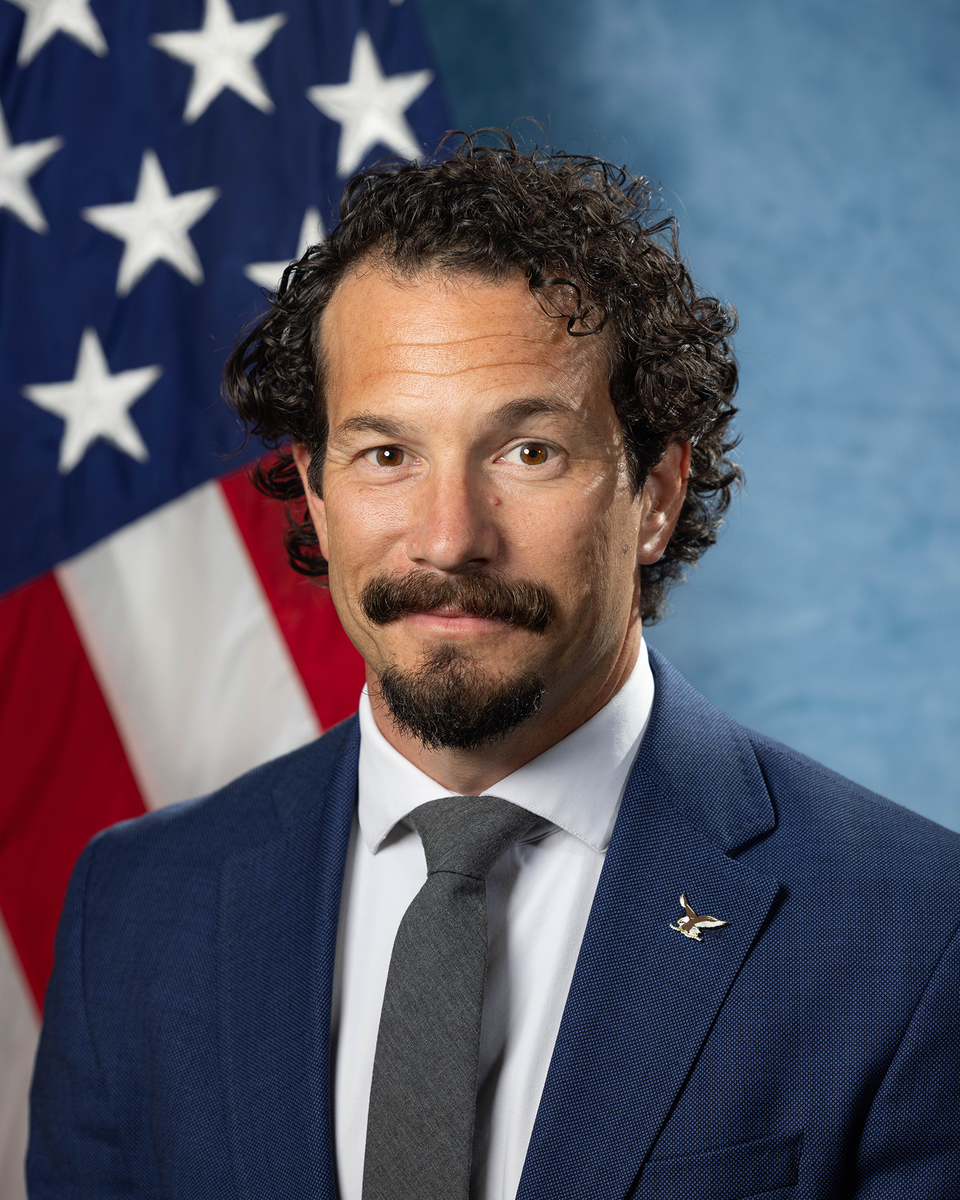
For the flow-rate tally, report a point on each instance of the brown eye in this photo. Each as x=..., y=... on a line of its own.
x=533, y=454
x=388, y=456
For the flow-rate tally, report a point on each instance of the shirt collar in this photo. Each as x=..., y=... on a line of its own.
x=577, y=784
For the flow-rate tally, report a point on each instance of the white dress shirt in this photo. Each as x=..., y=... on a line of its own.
x=538, y=900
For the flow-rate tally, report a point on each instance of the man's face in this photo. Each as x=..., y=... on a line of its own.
x=475, y=461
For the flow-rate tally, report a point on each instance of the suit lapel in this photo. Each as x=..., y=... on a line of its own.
x=278, y=927
x=644, y=997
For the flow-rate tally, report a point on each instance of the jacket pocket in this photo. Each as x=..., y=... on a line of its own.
x=732, y=1173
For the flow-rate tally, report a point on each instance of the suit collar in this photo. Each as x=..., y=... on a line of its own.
x=703, y=764
x=644, y=997
x=279, y=910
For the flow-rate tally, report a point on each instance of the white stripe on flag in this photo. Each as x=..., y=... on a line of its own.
x=187, y=650
x=18, y=1045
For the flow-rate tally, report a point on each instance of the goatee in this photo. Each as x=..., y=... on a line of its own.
x=450, y=701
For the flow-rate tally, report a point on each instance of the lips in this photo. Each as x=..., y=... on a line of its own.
x=455, y=621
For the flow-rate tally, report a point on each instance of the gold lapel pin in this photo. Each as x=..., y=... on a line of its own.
x=691, y=924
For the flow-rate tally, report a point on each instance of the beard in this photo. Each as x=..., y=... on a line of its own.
x=449, y=701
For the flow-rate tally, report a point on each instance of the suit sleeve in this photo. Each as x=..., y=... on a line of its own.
x=911, y=1140
x=74, y=1149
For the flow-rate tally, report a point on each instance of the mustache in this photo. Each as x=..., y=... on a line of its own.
x=519, y=602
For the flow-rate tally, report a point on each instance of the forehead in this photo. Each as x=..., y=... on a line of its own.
x=437, y=335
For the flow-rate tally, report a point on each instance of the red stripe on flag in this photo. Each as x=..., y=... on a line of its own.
x=65, y=773
x=331, y=669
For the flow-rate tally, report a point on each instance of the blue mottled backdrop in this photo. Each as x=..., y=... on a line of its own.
x=810, y=150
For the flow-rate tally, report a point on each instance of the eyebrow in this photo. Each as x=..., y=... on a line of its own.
x=510, y=413
x=533, y=406
x=370, y=423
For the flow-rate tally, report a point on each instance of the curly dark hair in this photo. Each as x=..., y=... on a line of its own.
x=575, y=227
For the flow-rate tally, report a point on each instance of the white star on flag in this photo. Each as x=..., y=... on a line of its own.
x=17, y=164
x=46, y=17
x=267, y=274
x=154, y=226
x=370, y=106
x=221, y=53
x=94, y=404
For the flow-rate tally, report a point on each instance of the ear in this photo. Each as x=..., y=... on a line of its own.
x=661, y=501
x=317, y=508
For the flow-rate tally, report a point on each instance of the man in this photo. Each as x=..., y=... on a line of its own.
x=655, y=954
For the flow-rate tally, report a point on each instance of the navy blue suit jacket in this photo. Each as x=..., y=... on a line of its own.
x=808, y=1049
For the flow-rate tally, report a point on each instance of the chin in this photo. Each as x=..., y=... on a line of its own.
x=450, y=700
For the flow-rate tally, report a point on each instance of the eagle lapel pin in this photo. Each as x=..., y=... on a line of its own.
x=690, y=924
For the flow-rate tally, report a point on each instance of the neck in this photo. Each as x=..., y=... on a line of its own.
x=470, y=772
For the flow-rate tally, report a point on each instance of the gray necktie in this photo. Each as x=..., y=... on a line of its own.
x=424, y=1091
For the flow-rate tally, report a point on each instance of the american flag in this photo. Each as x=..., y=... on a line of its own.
x=160, y=163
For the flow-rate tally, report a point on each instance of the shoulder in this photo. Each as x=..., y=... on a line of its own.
x=802, y=820
x=810, y=798
x=870, y=884
x=874, y=883
x=181, y=847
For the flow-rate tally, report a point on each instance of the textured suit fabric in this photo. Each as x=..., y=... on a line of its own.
x=806, y=1050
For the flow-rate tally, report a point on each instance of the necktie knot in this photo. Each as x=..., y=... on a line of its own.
x=466, y=835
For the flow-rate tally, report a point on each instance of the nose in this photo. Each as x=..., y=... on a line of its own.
x=454, y=527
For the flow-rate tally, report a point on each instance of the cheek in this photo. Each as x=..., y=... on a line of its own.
x=607, y=567
x=587, y=558
x=359, y=528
